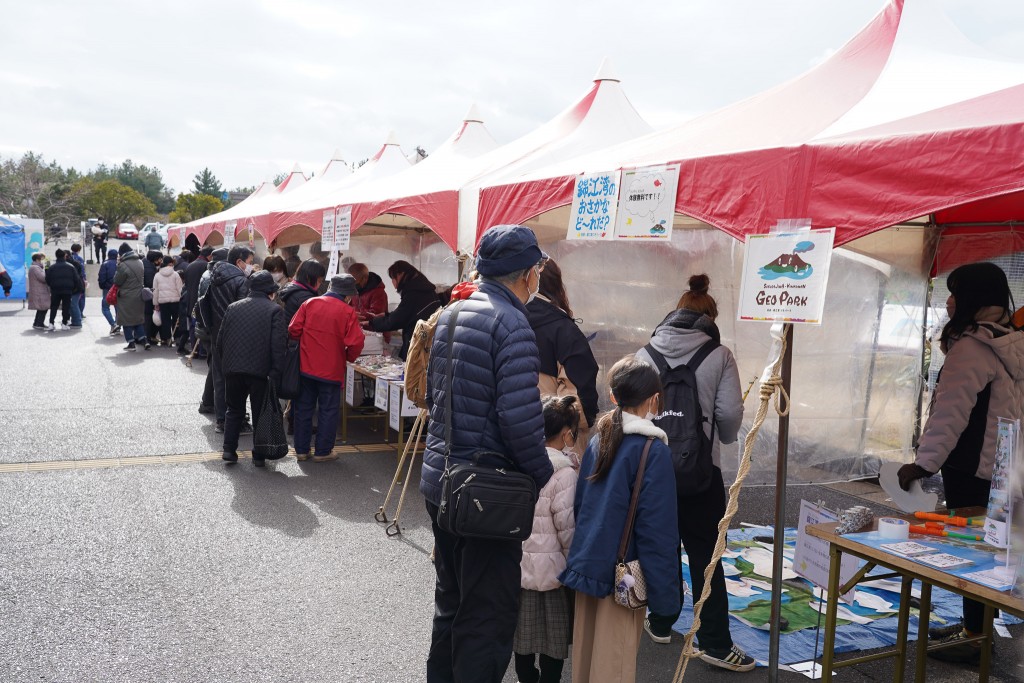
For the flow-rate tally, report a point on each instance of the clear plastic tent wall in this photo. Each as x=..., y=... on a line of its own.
x=856, y=378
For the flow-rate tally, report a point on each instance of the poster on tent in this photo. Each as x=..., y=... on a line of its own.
x=647, y=203
x=1001, y=493
x=251, y=229
x=785, y=275
x=811, y=559
x=342, y=228
x=328, y=241
x=594, y=206
x=229, y=233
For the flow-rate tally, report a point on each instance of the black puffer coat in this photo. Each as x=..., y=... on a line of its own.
x=192, y=275
x=63, y=279
x=559, y=340
x=227, y=285
x=294, y=295
x=252, y=338
x=419, y=301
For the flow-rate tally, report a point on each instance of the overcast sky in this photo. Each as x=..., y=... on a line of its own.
x=251, y=88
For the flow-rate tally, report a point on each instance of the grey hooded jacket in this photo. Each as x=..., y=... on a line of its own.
x=718, y=380
x=986, y=364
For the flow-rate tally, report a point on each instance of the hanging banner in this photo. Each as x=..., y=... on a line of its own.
x=785, y=276
x=594, y=206
x=647, y=203
x=342, y=228
x=229, y=233
x=252, y=234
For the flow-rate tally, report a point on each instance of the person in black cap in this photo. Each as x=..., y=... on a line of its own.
x=63, y=280
x=250, y=346
x=106, y=281
x=495, y=407
x=329, y=336
x=206, y=405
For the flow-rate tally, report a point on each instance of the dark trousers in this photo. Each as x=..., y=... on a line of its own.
x=62, y=301
x=100, y=248
x=40, y=319
x=152, y=331
x=476, y=607
x=550, y=669
x=965, y=490
x=207, y=400
x=168, y=317
x=219, y=400
x=237, y=388
x=325, y=397
x=698, y=530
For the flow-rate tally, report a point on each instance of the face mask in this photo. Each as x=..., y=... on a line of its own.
x=278, y=277
x=248, y=269
x=535, y=292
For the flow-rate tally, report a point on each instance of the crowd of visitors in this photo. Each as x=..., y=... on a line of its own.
x=512, y=382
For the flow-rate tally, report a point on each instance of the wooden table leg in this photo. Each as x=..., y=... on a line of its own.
x=986, y=645
x=902, y=628
x=831, y=607
x=921, y=660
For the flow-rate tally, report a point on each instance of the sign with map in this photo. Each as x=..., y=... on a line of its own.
x=785, y=276
x=594, y=205
x=647, y=203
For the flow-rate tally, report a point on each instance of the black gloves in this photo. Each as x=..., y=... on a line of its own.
x=910, y=473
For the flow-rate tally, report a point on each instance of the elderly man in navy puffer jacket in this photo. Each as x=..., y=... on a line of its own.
x=495, y=407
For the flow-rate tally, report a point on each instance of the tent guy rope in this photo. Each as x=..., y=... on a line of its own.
x=771, y=386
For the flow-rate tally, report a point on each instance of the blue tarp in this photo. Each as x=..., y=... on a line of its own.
x=799, y=646
x=12, y=255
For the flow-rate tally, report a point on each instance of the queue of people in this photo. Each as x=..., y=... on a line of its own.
x=513, y=377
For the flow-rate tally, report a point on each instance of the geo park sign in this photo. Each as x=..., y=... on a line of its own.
x=785, y=276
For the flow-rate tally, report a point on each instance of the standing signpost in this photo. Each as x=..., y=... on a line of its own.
x=785, y=275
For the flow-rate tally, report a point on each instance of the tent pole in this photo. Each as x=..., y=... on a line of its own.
x=780, y=512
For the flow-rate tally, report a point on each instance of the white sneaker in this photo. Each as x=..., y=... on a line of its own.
x=662, y=640
x=64, y=327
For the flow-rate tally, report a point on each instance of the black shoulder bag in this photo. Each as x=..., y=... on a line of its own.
x=478, y=500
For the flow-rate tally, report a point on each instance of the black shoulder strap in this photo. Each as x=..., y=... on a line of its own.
x=659, y=360
x=451, y=373
x=702, y=353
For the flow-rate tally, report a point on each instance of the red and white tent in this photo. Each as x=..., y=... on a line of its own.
x=307, y=207
x=203, y=227
x=908, y=119
x=423, y=194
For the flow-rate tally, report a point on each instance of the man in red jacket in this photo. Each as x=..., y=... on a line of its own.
x=329, y=336
x=371, y=297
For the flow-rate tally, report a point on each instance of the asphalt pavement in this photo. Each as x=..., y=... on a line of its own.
x=130, y=553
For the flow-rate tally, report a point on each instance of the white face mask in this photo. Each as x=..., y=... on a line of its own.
x=278, y=277
x=650, y=415
x=535, y=292
x=248, y=269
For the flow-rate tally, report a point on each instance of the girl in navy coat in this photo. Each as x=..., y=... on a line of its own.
x=606, y=636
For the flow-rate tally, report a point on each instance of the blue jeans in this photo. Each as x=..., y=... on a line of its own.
x=81, y=303
x=327, y=397
x=134, y=333
x=105, y=307
x=76, y=309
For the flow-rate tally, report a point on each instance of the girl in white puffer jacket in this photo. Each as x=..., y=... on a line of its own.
x=545, y=606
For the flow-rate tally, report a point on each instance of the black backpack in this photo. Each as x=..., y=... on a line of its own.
x=683, y=421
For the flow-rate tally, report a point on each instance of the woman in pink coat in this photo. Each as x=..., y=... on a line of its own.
x=545, y=606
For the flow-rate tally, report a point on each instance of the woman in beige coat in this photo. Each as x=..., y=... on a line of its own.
x=545, y=606
x=38, y=291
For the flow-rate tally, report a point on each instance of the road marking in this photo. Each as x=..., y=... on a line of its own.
x=174, y=459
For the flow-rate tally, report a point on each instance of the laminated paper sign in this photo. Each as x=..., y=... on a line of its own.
x=400, y=406
x=327, y=237
x=350, y=385
x=380, y=397
x=594, y=205
x=342, y=228
x=811, y=559
x=229, y=233
x=1001, y=493
x=647, y=203
x=785, y=276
